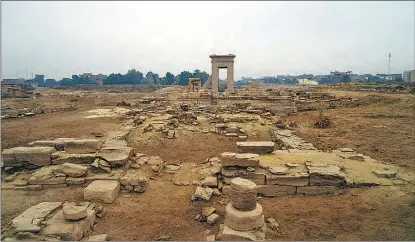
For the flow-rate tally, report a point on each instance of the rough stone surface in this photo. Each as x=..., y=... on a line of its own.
x=256, y=147
x=273, y=224
x=317, y=190
x=206, y=211
x=75, y=181
x=325, y=175
x=210, y=181
x=229, y=234
x=40, y=210
x=69, y=230
x=288, y=180
x=275, y=190
x=116, y=155
x=243, y=160
x=98, y=237
x=243, y=185
x=39, y=156
x=74, y=170
x=73, y=212
x=27, y=228
x=244, y=220
x=243, y=200
x=384, y=173
x=102, y=190
x=203, y=193
x=278, y=170
x=211, y=219
x=82, y=146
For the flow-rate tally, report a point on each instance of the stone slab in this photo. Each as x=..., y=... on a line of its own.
x=116, y=155
x=39, y=156
x=82, y=146
x=244, y=220
x=317, y=190
x=102, y=190
x=243, y=160
x=40, y=210
x=229, y=234
x=256, y=147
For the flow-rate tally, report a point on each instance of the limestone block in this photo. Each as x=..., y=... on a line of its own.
x=116, y=155
x=69, y=230
x=275, y=190
x=229, y=234
x=329, y=175
x=299, y=180
x=73, y=170
x=99, y=237
x=57, y=144
x=9, y=160
x=102, y=190
x=211, y=219
x=244, y=220
x=75, y=180
x=243, y=185
x=203, y=193
x=384, y=173
x=256, y=147
x=39, y=156
x=244, y=160
x=73, y=212
x=243, y=200
x=63, y=157
x=210, y=181
x=40, y=210
x=82, y=146
x=47, y=186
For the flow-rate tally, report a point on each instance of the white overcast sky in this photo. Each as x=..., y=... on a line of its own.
x=59, y=39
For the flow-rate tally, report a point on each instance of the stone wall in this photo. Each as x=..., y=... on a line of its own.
x=115, y=88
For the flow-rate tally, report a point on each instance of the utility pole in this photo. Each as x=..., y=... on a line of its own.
x=389, y=63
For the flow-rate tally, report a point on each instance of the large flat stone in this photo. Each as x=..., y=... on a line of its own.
x=102, y=190
x=38, y=211
x=82, y=146
x=46, y=176
x=229, y=234
x=63, y=157
x=244, y=220
x=73, y=170
x=57, y=144
x=329, y=175
x=116, y=155
x=9, y=160
x=256, y=147
x=69, y=230
x=39, y=156
x=244, y=160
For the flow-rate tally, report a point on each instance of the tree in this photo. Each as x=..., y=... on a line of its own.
x=132, y=77
x=184, y=78
x=345, y=79
x=169, y=78
x=66, y=82
x=156, y=79
x=149, y=77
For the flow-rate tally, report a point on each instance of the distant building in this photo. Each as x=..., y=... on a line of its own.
x=389, y=77
x=340, y=74
x=19, y=81
x=409, y=76
x=98, y=79
x=306, y=80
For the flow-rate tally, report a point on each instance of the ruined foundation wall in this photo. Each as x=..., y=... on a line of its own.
x=115, y=88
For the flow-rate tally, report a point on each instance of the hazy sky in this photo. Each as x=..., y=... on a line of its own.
x=59, y=39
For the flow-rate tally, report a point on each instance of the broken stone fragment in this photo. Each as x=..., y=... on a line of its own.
x=102, y=190
x=277, y=170
x=99, y=237
x=210, y=181
x=273, y=224
x=73, y=170
x=211, y=219
x=33, y=228
x=384, y=173
x=206, y=211
x=203, y=193
x=73, y=212
x=171, y=169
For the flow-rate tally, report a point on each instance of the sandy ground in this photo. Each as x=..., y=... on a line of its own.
x=383, y=213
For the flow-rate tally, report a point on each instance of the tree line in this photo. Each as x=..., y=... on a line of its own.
x=131, y=77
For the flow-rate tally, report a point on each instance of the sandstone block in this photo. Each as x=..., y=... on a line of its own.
x=243, y=185
x=243, y=200
x=48, y=186
x=75, y=181
x=244, y=220
x=210, y=181
x=229, y=234
x=73, y=212
x=9, y=160
x=211, y=219
x=203, y=193
x=384, y=173
x=116, y=155
x=99, y=237
x=244, y=160
x=39, y=156
x=40, y=210
x=256, y=147
x=82, y=146
x=102, y=190
x=74, y=170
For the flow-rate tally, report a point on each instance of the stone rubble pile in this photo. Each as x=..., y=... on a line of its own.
x=56, y=221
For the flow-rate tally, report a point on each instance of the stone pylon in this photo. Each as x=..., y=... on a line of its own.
x=244, y=219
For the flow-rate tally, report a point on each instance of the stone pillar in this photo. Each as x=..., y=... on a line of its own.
x=244, y=217
x=215, y=78
x=230, y=77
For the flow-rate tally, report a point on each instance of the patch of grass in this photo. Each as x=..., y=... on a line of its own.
x=323, y=122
